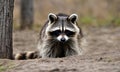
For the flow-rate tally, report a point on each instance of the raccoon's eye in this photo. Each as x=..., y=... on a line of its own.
x=69, y=33
x=55, y=33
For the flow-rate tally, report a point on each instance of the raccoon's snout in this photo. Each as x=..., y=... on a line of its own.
x=62, y=38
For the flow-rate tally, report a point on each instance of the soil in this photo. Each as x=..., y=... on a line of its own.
x=101, y=53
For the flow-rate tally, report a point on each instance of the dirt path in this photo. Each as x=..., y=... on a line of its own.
x=101, y=54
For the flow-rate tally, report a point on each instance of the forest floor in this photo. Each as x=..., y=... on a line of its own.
x=101, y=53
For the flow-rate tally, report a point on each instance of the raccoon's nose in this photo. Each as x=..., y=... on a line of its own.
x=63, y=40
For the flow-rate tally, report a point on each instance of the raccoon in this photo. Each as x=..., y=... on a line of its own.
x=59, y=37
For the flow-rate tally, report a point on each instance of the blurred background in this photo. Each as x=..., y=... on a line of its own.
x=100, y=23
x=99, y=20
x=96, y=13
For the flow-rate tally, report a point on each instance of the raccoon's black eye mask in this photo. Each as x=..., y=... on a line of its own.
x=55, y=33
x=58, y=32
x=69, y=33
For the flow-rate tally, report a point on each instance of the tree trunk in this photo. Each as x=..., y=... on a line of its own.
x=6, y=22
x=26, y=14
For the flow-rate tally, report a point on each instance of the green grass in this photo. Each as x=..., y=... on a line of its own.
x=16, y=26
x=6, y=66
x=35, y=27
x=84, y=21
x=2, y=68
x=87, y=20
x=99, y=22
x=117, y=22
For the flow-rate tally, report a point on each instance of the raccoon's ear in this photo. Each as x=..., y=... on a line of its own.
x=52, y=17
x=73, y=18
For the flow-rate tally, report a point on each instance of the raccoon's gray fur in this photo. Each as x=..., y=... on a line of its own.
x=59, y=37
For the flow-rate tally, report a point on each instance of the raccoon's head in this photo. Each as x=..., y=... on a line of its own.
x=62, y=27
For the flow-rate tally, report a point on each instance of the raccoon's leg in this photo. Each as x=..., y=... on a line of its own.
x=70, y=52
x=26, y=55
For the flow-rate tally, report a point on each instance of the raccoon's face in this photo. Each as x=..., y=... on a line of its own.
x=62, y=27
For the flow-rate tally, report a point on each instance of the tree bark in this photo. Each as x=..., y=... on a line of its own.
x=27, y=18
x=6, y=23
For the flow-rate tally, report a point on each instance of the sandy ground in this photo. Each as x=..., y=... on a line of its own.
x=101, y=53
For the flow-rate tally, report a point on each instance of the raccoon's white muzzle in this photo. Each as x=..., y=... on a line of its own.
x=62, y=38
